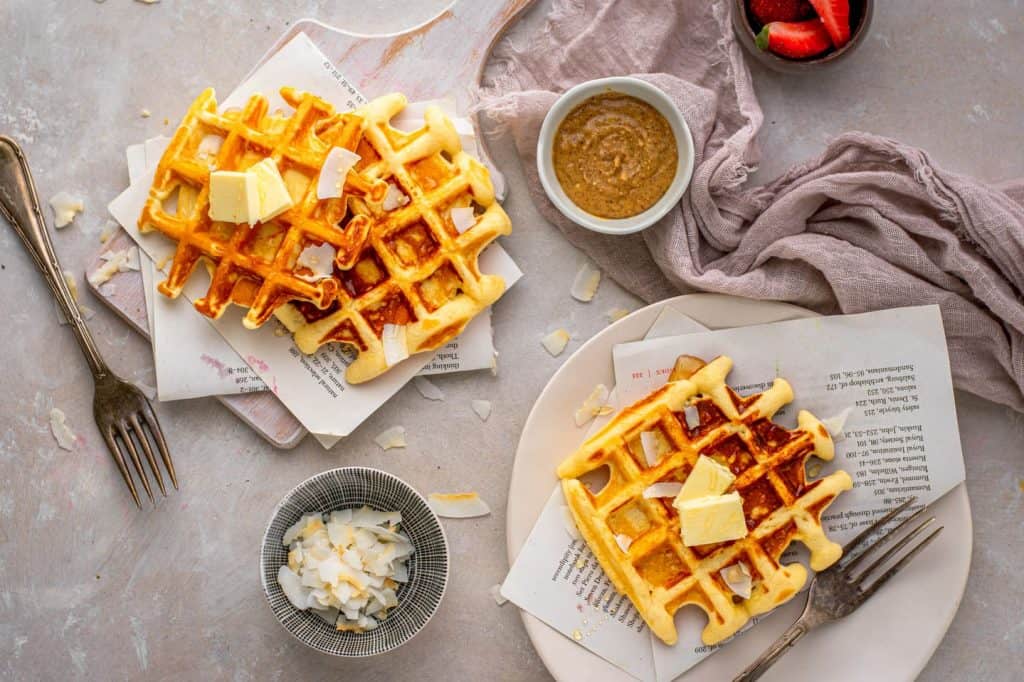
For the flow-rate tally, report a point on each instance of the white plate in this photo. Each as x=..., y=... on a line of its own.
x=891, y=637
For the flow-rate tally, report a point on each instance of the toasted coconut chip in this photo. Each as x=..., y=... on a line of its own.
x=396, y=348
x=584, y=287
x=624, y=542
x=692, y=416
x=458, y=505
x=595, y=404
x=654, y=446
x=836, y=423
x=65, y=208
x=108, y=231
x=395, y=198
x=499, y=599
x=319, y=259
x=482, y=409
x=663, y=489
x=62, y=433
x=737, y=577
x=570, y=523
x=463, y=218
x=114, y=262
x=427, y=388
x=391, y=438
x=331, y=182
x=616, y=314
x=555, y=342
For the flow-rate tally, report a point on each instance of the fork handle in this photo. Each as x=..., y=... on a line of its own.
x=774, y=652
x=19, y=204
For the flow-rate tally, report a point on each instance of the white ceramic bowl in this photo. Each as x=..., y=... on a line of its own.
x=627, y=86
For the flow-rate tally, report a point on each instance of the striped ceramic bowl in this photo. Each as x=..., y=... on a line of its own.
x=346, y=488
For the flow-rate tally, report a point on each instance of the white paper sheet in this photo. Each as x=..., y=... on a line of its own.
x=312, y=387
x=891, y=367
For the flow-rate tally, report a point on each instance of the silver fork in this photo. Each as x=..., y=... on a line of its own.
x=122, y=412
x=839, y=590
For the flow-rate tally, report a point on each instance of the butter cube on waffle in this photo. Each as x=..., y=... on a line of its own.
x=657, y=571
x=255, y=267
x=418, y=269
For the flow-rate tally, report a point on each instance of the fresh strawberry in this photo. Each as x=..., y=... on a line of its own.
x=835, y=14
x=794, y=39
x=768, y=11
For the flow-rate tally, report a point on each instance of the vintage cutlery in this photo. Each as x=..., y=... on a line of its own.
x=839, y=590
x=123, y=414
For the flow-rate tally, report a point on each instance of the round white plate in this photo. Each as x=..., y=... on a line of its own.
x=891, y=637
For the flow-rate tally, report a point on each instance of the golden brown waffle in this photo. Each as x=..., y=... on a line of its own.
x=657, y=571
x=255, y=267
x=417, y=270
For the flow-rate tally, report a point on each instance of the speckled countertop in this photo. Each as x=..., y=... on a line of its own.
x=91, y=588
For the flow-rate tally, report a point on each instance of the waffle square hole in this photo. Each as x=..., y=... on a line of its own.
x=732, y=452
x=709, y=418
x=662, y=566
x=430, y=173
x=413, y=244
x=263, y=240
x=442, y=286
x=367, y=273
x=658, y=442
x=345, y=332
x=629, y=519
x=393, y=309
x=769, y=435
x=759, y=500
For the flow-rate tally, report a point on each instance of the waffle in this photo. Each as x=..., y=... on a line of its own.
x=417, y=270
x=657, y=571
x=255, y=267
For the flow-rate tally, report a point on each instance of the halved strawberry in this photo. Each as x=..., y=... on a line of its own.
x=768, y=11
x=794, y=39
x=835, y=14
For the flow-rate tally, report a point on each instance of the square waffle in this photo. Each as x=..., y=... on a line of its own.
x=255, y=266
x=657, y=571
x=416, y=269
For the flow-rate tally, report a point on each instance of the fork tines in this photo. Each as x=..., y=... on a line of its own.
x=859, y=578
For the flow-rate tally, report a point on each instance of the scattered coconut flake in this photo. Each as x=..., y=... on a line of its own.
x=570, y=523
x=331, y=183
x=458, y=505
x=391, y=438
x=663, y=489
x=555, y=342
x=584, y=287
x=482, y=409
x=624, y=542
x=69, y=279
x=108, y=231
x=813, y=468
x=427, y=388
x=596, y=404
x=114, y=262
x=62, y=433
x=395, y=198
x=836, y=423
x=737, y=577
x=87, y=312
x=145, y=113
x=319, y=259
x=653, y=446
x=692, y=416
x=148, y=2
x=499, y=599
x=616, y=314
x=494, y=364
x=65, y=208
x=463, y=218
x=395, y=347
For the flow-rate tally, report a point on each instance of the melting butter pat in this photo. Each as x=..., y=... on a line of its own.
x=273, y=194
x=707, y=520
x=234, y=197
x=707, y=477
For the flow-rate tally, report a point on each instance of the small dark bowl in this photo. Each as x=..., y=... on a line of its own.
x=747, y=27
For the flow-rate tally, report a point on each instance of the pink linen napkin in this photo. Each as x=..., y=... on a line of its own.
x=869, y=224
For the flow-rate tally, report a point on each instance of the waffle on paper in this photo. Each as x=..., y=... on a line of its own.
x=255, y=267
x=657, y=571
x=417, y=270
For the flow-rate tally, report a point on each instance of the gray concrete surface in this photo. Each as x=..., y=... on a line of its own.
x=90, y=588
